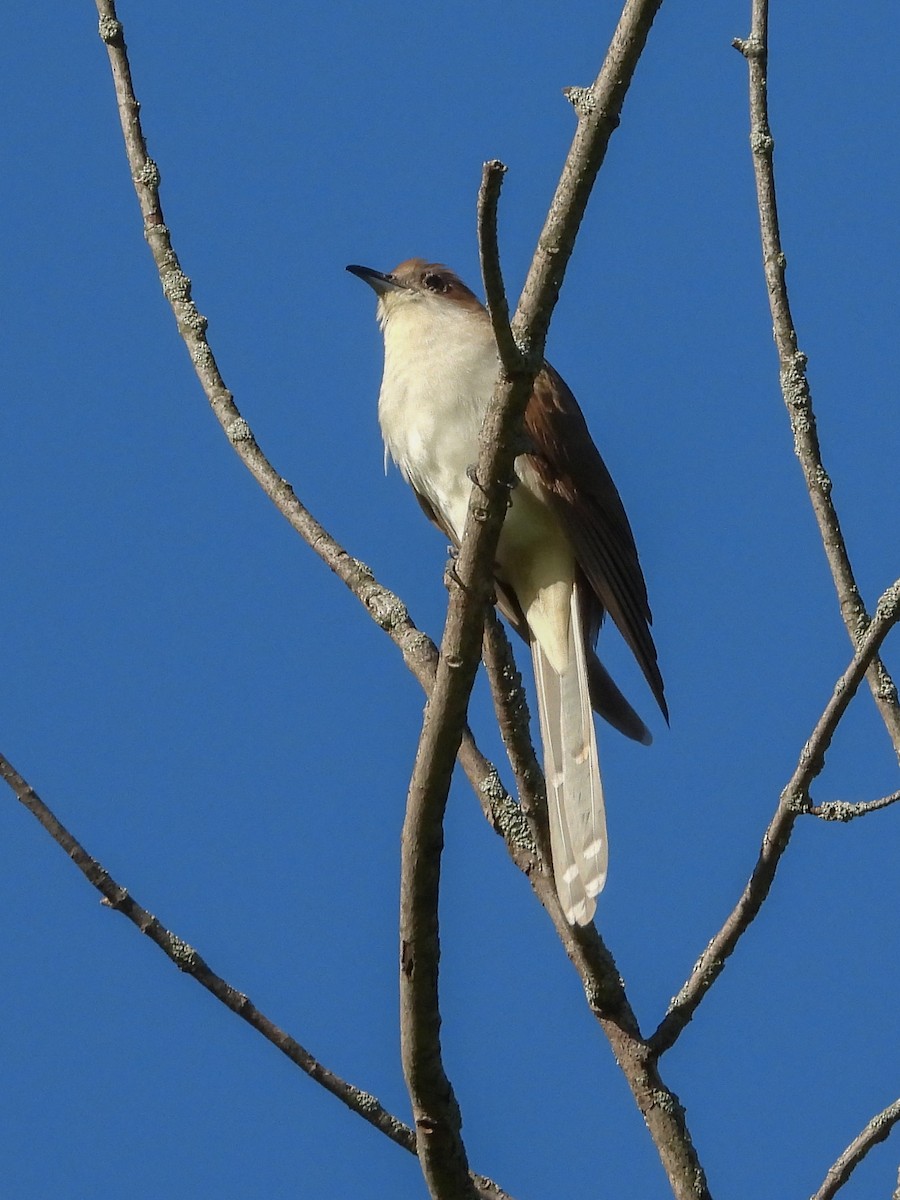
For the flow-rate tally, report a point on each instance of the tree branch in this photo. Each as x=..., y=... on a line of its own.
x=843, y=810
x=505, y=681
x=794, y=801
x=794, y=383
x=599, y=110
x=436, y=1112
x=489, y=254
x=384, y=607
x=511, y=708
x=190, y=962
x=866, y=635
x=876, y=1131
x=186, y=959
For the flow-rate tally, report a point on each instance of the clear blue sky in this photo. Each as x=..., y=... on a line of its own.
x=220, y=723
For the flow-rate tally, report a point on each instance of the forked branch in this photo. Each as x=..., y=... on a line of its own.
x=793, y=803
x=866, y=634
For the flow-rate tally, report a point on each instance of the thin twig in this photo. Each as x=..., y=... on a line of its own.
x=795, y=798
x=876, y=1131
x=491, y=272
x=843, y=810
x=794, y=382
x=511, y=707
x=794, y=801
x=385, y=608
x=599, y=110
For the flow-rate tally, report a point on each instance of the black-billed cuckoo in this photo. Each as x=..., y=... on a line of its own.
x=566, y=554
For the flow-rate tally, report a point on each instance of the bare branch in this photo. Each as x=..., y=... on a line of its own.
x=599, y=110
x=511, y=707
x=867, y=636
x=491, y=273
x=660, y=1107
x=843, y=810
x=794, y=383
x=186, y=959
x=386, y=609
x=438, y=1121
x=876, y=1131
x=793, y=802
x=190, y=962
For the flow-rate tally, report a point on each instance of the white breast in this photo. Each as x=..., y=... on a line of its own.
x=440, y=364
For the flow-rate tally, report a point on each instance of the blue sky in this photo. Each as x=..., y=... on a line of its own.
x=219, y=722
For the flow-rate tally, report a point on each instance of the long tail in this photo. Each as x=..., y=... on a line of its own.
x=574, y=791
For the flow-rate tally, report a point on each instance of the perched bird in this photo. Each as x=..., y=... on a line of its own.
x=566, y=554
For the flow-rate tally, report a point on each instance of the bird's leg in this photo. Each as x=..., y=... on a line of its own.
x=451, y=575
x=472, y=476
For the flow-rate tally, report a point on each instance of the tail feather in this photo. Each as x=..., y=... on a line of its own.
x=577, y=815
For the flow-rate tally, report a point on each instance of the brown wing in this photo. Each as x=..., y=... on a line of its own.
x=571, y=469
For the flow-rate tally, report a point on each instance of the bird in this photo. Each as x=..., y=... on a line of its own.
x=566, y=554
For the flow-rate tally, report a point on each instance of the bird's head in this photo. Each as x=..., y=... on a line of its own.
x=417, y=286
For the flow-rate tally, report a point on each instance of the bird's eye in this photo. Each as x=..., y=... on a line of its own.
x=435, y=282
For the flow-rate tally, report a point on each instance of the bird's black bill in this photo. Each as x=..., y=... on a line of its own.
x=377, y=280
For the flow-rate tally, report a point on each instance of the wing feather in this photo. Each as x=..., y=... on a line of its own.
x=581, y=489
